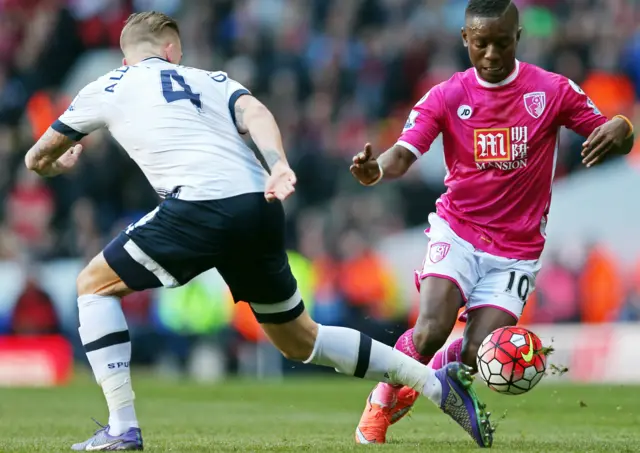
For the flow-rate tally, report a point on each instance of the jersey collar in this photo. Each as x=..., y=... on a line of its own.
x=156, y=58
x=506, y=81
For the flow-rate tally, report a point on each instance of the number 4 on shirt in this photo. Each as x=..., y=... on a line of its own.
x=172, y=95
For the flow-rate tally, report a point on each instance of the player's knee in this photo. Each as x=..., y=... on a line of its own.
x=98, y=278
x=429, y=335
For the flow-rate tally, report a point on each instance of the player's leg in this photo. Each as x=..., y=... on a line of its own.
x=258, y=272
x=440, y=300
x=497, y=300
x=480, y=323
x=447, y=276
x=352, y=353
x=348, y=351
x=162, y=249
x=105, y=336
x=450, y=353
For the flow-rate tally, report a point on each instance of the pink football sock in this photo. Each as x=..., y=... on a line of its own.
x=451, y=353
x=385, y=394
x=406, y=345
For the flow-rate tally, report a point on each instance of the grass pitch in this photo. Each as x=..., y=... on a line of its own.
x=317, y=416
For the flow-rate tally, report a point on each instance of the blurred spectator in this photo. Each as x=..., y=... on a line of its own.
x=29, y=209
x=557, y=294
x=601, y=287
x=365, y=279
x=82, y=237
x=34, y=312
x=631, y=310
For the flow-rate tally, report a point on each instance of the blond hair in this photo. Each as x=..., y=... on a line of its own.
x=148, y=28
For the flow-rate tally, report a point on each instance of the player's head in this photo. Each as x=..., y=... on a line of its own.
x=150, y=34
x=491, y=33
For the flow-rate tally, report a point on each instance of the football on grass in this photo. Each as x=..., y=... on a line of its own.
x=511, y=360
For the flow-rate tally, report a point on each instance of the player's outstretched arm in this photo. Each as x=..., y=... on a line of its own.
x=53, y=154
x=391, y=164
x=253, y=117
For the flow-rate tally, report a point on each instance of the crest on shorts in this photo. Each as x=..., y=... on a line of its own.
x=438, y=251
x=535, y=103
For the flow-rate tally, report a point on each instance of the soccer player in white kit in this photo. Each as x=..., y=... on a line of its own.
x=222, y=210
x=500, y=122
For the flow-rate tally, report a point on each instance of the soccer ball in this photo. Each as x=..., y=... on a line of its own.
x=511, y=360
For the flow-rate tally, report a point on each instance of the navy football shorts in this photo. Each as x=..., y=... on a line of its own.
x=242, y=237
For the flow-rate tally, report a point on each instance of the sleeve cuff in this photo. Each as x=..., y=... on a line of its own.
x=232, y=102
x=67, y=131
x=410, y=147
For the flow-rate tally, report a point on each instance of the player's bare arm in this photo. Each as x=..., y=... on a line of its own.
x=391, y=164
x=253, y=117
x=53, y=154
x=616, y=136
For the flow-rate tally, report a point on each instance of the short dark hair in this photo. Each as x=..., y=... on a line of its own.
x=488, y=8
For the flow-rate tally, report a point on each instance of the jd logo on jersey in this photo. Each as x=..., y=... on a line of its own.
x=464, y=112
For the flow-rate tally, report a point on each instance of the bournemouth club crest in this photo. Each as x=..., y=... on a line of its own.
x=535, y=103
x=438, y=251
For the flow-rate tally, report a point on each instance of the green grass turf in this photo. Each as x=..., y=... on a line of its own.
x=317, y=416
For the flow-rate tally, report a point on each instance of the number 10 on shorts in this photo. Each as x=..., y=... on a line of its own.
x=519, y=284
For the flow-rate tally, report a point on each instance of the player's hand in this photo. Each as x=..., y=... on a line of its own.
x=603, y=140
x=69, y=159
x=365, y=167
x=281, y=183
x=65, y=162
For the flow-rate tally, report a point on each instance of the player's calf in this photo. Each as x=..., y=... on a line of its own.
x=440, y=300
x=348, y=351
x=429, y=335
x=469, y=351
x=295, y=339
x=480, y=323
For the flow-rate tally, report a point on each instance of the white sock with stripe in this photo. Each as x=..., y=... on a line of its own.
x=353, y=353
x=105, y=336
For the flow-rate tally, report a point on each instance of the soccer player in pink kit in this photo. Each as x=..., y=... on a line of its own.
x=500, y=122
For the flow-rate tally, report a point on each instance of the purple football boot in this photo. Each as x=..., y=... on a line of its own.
x=103, y=441
x=460, y=402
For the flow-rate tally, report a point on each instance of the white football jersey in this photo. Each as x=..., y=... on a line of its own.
x=177, y=123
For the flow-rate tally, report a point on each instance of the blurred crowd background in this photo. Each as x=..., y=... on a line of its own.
x=336, y=74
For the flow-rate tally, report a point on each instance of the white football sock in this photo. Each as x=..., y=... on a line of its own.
x=353, y=353
x=105, y=336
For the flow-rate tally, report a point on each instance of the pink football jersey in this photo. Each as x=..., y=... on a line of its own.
x=500, y=148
